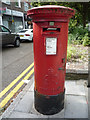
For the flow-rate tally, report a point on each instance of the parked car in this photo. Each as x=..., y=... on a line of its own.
x=7, y=37
x=26, y=34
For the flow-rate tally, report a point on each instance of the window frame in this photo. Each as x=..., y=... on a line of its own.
x=8, y=31
x=19, y=4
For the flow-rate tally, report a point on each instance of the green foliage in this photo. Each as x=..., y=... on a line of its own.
x=86, y=40
x=74, y=53
x=77, y=30
x=78, y=35
x=81, y=10
x=71, y=52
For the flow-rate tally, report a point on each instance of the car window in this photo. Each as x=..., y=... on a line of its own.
x=32, y=31
x=4, y=29
x=22, y=31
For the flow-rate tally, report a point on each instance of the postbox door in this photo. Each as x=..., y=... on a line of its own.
x=56, y=60
x=50, y=59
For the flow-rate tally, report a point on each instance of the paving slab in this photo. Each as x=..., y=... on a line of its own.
x=74, y=89
x=58, y=115
x=25, y=104
x=82, y=82
x=76, y=107
x=31, y=89
x=16, y=114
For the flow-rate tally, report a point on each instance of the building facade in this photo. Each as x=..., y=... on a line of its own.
x=13, y=14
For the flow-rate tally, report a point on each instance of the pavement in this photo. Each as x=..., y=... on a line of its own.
x=75, y=105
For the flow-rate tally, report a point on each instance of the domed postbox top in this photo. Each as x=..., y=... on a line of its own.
x=50, y=12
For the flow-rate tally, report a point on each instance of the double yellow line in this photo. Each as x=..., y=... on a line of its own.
x=10, y=95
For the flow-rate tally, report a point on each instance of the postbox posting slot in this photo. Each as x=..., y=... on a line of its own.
x=51, y=29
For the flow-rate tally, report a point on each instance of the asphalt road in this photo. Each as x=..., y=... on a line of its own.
x=15, y=61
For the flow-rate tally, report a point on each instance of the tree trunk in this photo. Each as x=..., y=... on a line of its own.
x=85, y=12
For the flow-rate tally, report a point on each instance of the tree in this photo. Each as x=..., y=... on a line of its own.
x=82, y=10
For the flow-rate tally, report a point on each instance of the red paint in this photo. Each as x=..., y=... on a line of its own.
x=49, y=80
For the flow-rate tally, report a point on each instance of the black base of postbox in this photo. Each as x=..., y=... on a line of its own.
x=48, y=105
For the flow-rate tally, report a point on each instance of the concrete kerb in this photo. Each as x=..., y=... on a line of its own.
x=80, y=71
x=77, y=74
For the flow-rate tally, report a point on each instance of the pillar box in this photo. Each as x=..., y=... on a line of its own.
x=50, y=35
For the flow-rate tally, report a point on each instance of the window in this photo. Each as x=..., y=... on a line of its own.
x=4, y=29
x=5, y=23
x=26, y=6
x=18, y=26
x=6, y=1
x=18, y=3
x=23, y=31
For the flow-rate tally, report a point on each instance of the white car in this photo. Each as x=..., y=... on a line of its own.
x=26, y=34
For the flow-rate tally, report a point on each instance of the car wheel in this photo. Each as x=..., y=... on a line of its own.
x=17, y=43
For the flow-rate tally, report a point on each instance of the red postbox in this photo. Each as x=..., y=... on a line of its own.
x=50, y=35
